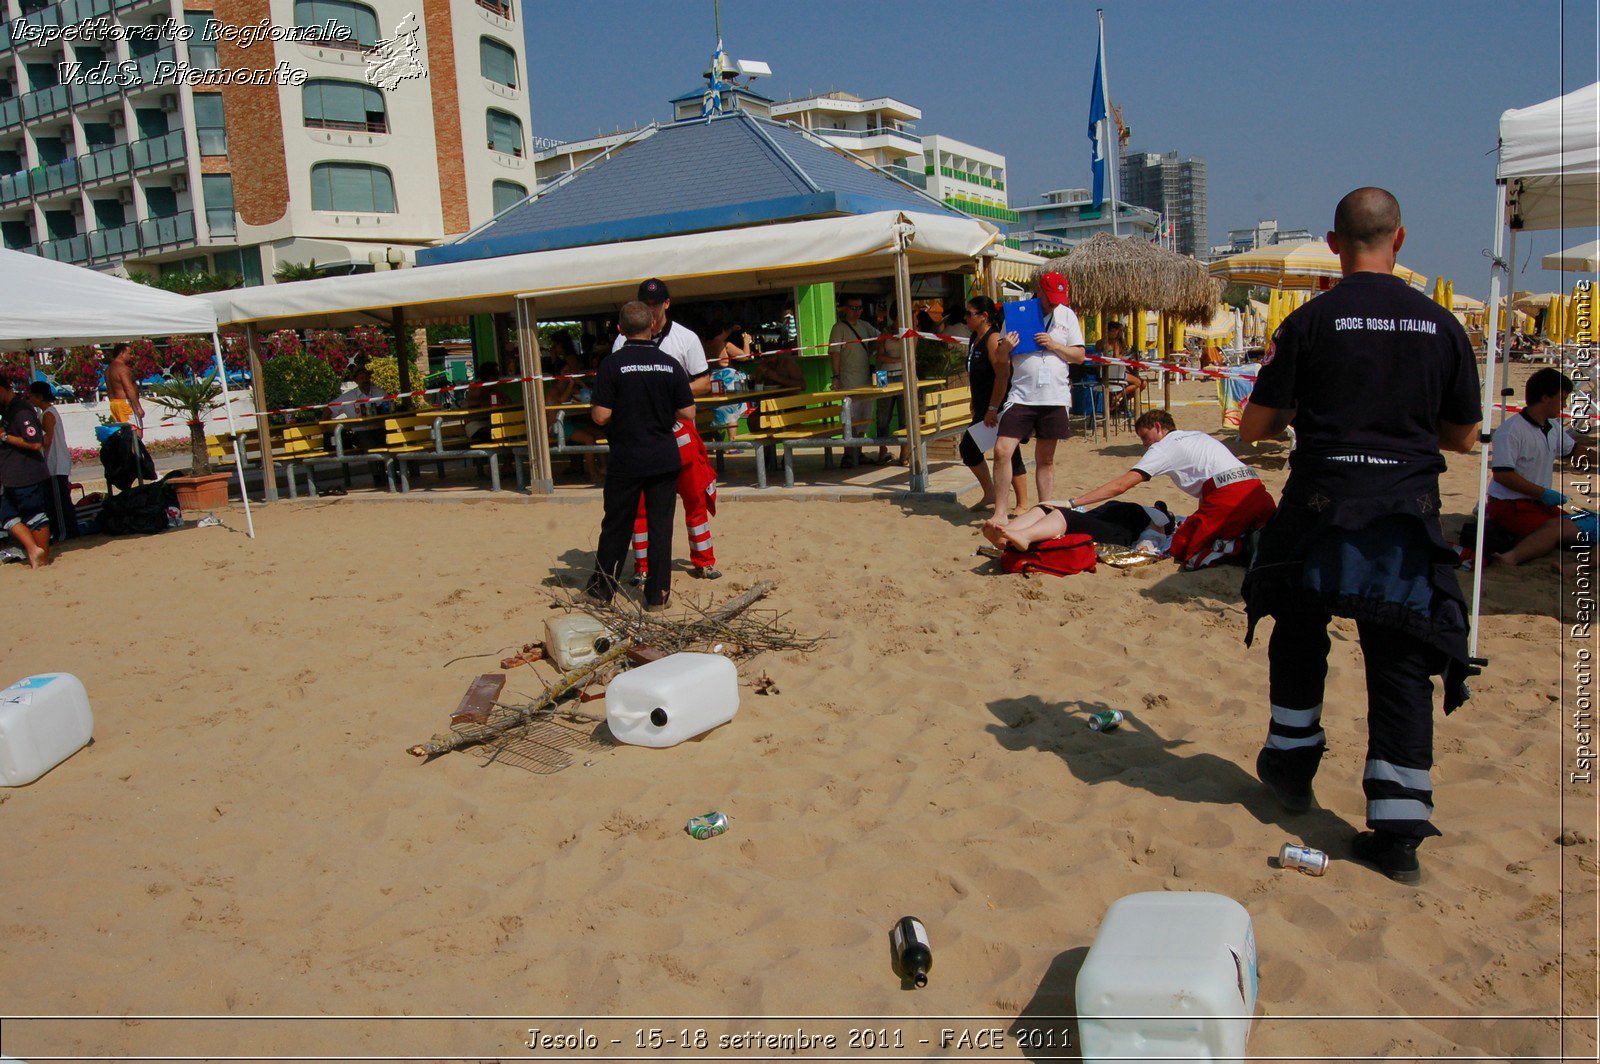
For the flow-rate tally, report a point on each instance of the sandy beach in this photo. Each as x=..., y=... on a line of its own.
x=248, y=837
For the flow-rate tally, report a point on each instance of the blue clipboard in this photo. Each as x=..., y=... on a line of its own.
x=1025, y=318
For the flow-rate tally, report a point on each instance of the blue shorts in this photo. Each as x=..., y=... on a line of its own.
x=24, y=504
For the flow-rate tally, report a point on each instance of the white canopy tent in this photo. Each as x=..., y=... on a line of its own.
x=571, y=281
x=1547, y=177
x=55, y=304
x=1584, y=258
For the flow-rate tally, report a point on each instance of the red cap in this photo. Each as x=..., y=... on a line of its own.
x=1053, y=286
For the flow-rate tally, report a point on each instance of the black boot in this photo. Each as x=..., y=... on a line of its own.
x=1394, y=856
x=1294, y=795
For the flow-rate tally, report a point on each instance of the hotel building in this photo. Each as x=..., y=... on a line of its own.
x=144, y=171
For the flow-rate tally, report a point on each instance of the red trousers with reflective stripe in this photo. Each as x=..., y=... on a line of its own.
x=1225, y=513
x=693, y=480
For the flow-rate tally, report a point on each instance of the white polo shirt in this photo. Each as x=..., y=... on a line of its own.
x=1041, y=378
x=1191, y=459
x=681, y=345
x=1522, y=447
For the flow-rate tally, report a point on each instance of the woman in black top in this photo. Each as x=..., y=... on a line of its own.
x=989, y=376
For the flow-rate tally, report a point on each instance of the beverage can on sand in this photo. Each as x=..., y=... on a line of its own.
x=1303, y=859
x=707, y=825
x=1106, y=721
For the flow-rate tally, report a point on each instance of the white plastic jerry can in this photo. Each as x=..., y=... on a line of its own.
x=667, y=701
x=44, y=720
x=1170, y=974
x=575, y=640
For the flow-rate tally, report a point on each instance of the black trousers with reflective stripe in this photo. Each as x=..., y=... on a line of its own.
x=1399, y=670
x=622, y=494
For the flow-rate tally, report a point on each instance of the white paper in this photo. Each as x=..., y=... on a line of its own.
x=983, y=435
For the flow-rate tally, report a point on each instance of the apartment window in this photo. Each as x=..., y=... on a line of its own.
x=196, y=264
x=161, y=201
x=507, y=193
x=359, y=19
x=352, y=187
x=98, y=135
x=505, y=132
x=109, y=214
x=210, y=125
x=347, y=105
x=11, y=161
x=202, y=53
x=498, y=63
x=51, y=150
x=145, y=40
x=60, y=224
x=499, y=7
x=246, y=262
x=152, y=121
x=16, y=235
x=217, y=190
x=42, y=75
x=89, y=55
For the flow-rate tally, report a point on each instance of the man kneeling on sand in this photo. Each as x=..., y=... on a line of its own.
x=1233, y=501
x=1527, y=446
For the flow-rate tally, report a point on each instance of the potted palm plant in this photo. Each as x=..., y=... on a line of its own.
x=194, y=398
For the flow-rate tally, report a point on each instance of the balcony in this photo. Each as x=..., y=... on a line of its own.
x=379, y=126
x=83, y=95
x=10, y=113
x=499, y=8
x=147, y=64
x=158, y=151
x=886, y=137
x=64, y=249
x=104, y=163
x=156, y=234
x=124, y=6
x=14, y=188
x=57, y=177
x=114, y=243
x=910, y=177
x=5, y=33
x=41, y=103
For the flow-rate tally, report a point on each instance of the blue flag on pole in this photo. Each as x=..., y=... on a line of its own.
x=1097, y=120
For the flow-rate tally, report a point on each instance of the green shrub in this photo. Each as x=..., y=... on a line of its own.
x=299, y=380
x=386, y=375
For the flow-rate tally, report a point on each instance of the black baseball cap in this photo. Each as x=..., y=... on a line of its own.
x=653, y=291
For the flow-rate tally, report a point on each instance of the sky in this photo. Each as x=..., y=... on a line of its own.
x=1291, y=105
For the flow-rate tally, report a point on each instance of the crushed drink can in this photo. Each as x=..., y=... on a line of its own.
x=1303, y=859
x=707, y=825
x=1106, y=721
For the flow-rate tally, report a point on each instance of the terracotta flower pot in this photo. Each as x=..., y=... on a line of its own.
x=202, y=493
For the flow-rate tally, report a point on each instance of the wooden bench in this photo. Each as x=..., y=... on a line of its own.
x=435, y=438
x=508, y=434
x=790, y=421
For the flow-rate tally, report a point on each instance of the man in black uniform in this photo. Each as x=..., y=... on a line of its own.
x=640, y=393
x=1377, y=379
x=24, y=475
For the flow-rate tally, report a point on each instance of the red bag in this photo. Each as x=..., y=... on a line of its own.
x=1062, y=556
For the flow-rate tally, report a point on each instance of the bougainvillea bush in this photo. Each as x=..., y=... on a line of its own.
x=80, y=369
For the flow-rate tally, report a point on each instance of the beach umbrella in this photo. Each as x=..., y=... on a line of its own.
x=1555, y=321
x=1221, y=324
x=1112, y=275
x=1305, y=266
x=1450, y=295
x=1438, y=290
x=1584, y=258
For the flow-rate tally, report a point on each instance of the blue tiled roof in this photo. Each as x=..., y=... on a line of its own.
x=688, y=177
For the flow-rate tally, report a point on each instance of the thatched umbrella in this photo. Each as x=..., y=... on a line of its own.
x=1112, y=275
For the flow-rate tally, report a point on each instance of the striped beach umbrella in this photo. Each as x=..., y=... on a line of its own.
x=1307, y=266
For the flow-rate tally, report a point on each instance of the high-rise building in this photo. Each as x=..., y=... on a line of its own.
x=1174, y=188
x=197, y=146
x=1068, y=217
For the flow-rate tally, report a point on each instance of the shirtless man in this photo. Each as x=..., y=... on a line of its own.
x=123, y=390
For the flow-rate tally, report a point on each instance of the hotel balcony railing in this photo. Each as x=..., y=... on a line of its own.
x=57, y=177
x=41, y=103
x=131, y=5
x=497, y=7
x=68, y=13
x=380, y=126
x=114, y=243
x=102, y=245
x=111, y=161
x=87, y=94
x=909, y=176
x=158, y=233
x=14, y=188
x=147, y=68
x=158, y=151
x=5, y=33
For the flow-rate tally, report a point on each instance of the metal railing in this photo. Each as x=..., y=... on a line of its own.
x=348, y=127
x=92, y=92
x=114, y=243
x=56, y=177
x=497, y=7
x=909, y=176
x=104, y=163
x=157, y=233
x=47, y=101
x=14, y=187
x=64, y=249
x=158, y=151
x=10, y=112
x=147, y=68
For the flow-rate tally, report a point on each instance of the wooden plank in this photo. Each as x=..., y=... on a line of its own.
x=480, y=698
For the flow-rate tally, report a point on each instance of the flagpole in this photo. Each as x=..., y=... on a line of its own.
x=1113, y=144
